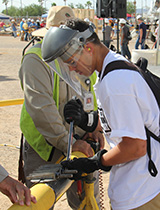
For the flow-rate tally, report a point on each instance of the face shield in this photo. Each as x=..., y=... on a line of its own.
x=64, y=51
x=80, y=83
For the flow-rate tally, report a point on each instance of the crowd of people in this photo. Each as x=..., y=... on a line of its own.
x=25, y=27
x=142, y=28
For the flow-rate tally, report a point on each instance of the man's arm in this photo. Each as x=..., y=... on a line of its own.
x=141, y=34
x=122, y=35
x=127, y=150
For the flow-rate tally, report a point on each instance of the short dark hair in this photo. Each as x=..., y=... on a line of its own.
x=81, y=25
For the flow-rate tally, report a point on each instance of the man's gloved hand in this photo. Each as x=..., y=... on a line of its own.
x=86, y=165
x=73, y=111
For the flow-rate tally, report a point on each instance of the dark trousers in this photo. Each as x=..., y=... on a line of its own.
x=125, y=50
x=142, y=44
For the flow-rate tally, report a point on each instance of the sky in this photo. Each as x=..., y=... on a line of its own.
x=47, y=3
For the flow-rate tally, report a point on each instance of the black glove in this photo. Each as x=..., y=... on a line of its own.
x=73, y=111
x=87, y=165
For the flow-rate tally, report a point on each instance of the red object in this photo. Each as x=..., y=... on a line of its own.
x=129, y=15
x=2, y=24
x=79, y=188
x=95, y=17
x=42, y=25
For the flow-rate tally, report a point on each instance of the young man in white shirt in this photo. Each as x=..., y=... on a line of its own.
x=126, y=106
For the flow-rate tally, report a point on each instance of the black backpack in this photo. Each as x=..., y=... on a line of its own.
x=154, y=83
x=129, y=37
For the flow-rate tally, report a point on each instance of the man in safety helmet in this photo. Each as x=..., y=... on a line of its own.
x=25, y=30
x=124, y=32
x=22, y=29
x=126, y=107
x=108, y=33
x=42, y=123
x=142, y=33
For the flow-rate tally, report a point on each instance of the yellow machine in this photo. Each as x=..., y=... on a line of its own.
x=46, y=196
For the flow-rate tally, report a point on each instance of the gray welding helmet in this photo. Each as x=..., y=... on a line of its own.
x=58, y=46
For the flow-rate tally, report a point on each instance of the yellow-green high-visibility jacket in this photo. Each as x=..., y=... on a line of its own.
x=42, y=122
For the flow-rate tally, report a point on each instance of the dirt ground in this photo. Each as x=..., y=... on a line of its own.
x=10, y=59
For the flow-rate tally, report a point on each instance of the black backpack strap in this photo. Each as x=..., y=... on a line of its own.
x=121, y=64
x=21, y=176
x=151, y=166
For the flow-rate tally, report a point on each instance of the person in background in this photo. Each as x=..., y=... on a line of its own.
x=123, y=39
x=14, y=189
x=25, y=29
x=2, y=26
x=29, y=29
x=29, y=22
x=156, y=33
x=108, y=33
x=33, y=25
x=22, y=29
x=42, y=23
x=142, y=33
x=14, y=29
x=38, y=24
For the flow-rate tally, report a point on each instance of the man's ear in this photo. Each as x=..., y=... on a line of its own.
x=88, y=47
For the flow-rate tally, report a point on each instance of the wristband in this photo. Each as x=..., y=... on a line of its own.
x=90, y=119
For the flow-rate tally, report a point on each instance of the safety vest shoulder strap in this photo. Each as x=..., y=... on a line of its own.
x=93, y=79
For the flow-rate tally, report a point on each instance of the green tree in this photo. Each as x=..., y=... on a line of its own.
x=71, y=5
x=5, y=2
x=13, y=11
x=88, y=4
x=41, y=4
x=53, y=4
x=31, y=10
x=130, y=7
x=80, y=6
x=34, y=10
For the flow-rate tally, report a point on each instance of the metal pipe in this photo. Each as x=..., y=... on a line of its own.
x=70, y=138
x=12, y=102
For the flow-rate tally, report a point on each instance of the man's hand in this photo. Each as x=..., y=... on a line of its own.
x=16, y=191
x=87, y=165
x=73, y=111
x=97, y=137
x=84, y=147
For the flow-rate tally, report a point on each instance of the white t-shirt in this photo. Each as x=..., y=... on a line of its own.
x=125, y=105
